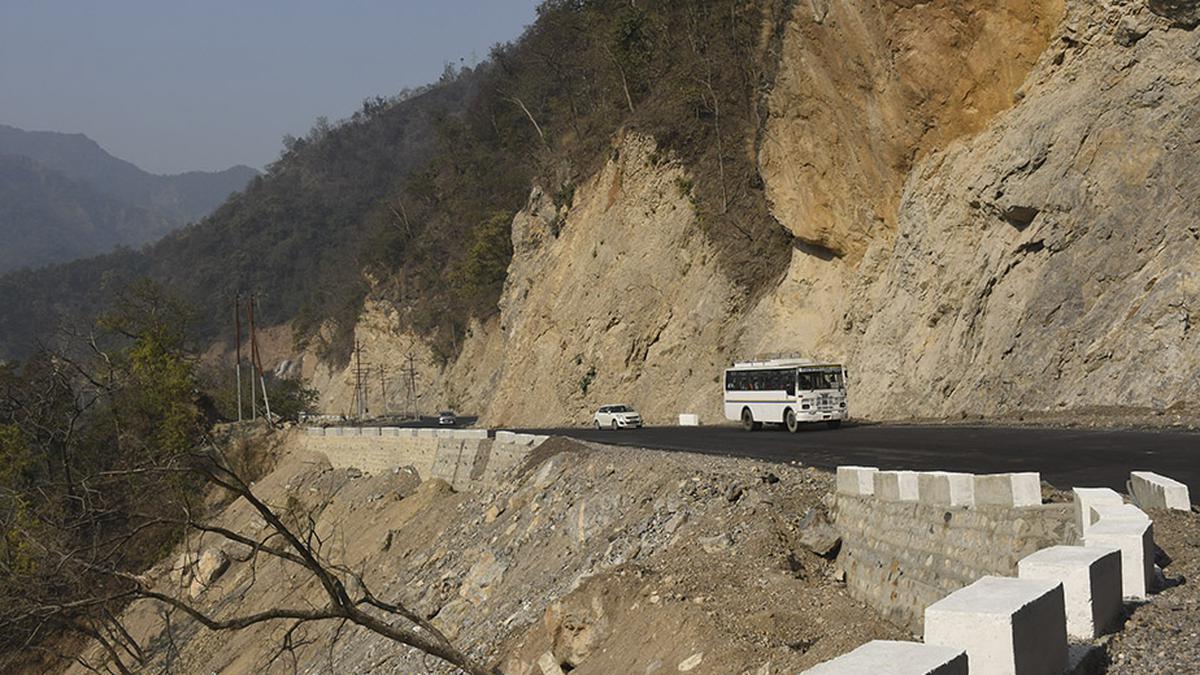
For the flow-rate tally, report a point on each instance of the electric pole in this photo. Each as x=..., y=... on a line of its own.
x=237, y=328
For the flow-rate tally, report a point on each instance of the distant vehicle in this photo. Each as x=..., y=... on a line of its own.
x=447, y=418
x=617, y=417
x=790, y=392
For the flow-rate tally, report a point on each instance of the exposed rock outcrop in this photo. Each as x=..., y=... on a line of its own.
x=993, y=208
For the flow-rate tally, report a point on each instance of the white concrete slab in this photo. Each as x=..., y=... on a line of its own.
x=505, y=437
x=856, y=481
x=472, y=434
x=1007, y=626
x=1155, y=491
x=315, y=431
x=1086, y=498
x=897, y=658
x=689, y=420
x=896, y=486
x=1135, y=539
x=369, y=431
x=1091, y=579
x=1008, y=489
x=946, y=488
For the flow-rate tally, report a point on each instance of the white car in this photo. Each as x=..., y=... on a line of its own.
x=447, y=418
x=617, y=417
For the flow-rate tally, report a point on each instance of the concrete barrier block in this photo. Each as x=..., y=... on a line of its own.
x=315, y=431
x=391, y=431
x=351, y=431
x=1135, y=539
x=1008, y=489
x=1112, y=512
x=1154, y=491
x=427, y=433
x=539, y=439
x=471, y=434
x=856, y=481
x=1091, y=579
x=946, y=488
x=505, y=437
x=897, y=658
x=1007, y=626
x=689, y=420
x=370, y=431
x=896, y=486
x=1086, y=498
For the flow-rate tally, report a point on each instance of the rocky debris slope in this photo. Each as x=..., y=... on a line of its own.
x=1163, y=636
x=595, y=559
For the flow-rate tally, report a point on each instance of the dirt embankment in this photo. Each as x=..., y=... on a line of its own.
x=611, y=560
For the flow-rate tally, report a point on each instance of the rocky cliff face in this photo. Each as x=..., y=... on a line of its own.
x=993, y=208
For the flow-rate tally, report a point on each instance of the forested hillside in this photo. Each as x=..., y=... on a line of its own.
x=293, y=235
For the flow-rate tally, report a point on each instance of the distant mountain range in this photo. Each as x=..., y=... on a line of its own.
x=64, y=197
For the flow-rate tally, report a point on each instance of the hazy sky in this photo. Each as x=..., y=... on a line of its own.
x=175, y=85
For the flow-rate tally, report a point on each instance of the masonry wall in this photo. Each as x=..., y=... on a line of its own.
x=459, y=457
x=900, y=557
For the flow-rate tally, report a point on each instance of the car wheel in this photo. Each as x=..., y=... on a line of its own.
x=834, y=424
x=748, y=423
x=789, y=420
x=614, y=425
x=597, y=425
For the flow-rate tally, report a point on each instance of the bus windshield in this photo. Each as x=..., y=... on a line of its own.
x=822, y=379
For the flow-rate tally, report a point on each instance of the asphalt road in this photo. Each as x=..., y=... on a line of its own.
x=1065, y=457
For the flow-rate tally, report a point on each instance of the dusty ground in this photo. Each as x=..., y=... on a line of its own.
x=613, y=560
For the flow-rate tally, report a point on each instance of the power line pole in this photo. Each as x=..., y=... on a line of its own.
x=256, y=359
x=360, y=382
x=237, y=327
x=383, y=388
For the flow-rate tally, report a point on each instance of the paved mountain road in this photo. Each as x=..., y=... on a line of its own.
x=1065, y=457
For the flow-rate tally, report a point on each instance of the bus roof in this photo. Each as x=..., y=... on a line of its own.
x=782, y=363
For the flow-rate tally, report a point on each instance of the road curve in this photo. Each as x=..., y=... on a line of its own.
x=1065, y=457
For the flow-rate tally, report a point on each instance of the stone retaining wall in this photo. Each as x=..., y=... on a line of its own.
x=902, y=556
x=461, y=457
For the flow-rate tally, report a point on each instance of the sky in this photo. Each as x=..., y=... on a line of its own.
x=180, y=85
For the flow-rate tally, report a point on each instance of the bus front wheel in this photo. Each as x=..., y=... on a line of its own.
x=789, y=420
x=748, y=422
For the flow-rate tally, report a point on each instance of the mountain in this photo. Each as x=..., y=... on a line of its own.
x=983, y=209
x=184, y=197
x=46, y=217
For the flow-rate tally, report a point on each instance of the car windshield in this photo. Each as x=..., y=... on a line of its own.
x=446, y=413
x=620, y=408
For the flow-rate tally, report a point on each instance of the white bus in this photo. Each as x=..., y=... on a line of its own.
x=790, y=392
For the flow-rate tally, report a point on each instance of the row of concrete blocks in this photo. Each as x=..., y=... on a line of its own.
x=941, y=488
x=401, y=432
x=1021, y=626
x=520, y=439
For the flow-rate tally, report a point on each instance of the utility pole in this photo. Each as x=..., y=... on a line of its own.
x=360, y=382
x=383, y=388
x=410, y=375
x=237, y=327
x=256, y=359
